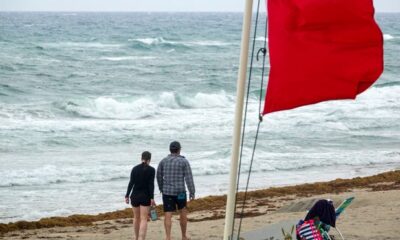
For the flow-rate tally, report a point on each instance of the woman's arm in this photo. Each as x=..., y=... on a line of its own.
x=151, y=183
x=130, y=186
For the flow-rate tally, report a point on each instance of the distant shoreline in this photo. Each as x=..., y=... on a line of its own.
x=215, y=205
x=200, y=12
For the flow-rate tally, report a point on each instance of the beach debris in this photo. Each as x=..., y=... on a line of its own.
x=286, y=235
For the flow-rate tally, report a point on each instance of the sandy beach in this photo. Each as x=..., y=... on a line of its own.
x=374, y=214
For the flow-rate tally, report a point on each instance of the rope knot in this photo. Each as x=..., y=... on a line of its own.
x=264, y=52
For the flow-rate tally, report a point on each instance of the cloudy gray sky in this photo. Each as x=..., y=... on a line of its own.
x=148, y=5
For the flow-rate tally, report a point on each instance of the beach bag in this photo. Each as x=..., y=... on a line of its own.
x=307, y=230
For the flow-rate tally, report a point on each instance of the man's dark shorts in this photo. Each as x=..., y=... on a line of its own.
x=171, y=203
x=140, y=200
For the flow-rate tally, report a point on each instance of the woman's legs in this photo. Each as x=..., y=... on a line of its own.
x=136, y=222
x=144, y=213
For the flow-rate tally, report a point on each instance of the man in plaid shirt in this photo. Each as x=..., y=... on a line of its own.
x=172, y=173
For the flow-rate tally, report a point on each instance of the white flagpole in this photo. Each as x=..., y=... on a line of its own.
x=230, y=205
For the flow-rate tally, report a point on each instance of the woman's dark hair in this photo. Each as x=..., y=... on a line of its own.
x=146, y=155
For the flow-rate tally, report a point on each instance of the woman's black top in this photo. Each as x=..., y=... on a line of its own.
x=142, y=181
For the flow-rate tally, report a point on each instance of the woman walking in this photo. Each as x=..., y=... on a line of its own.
x=141, y=185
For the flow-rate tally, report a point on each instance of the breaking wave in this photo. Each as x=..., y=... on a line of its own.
x=143, y=107
x=262, y=39
x=388, y=37
x=109, y=108
x=162, y=41
x=127, y=58
x=82, y=45
x=51, y=174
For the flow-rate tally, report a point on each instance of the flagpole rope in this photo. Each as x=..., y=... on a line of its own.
x=264, y=51
x=245, y=117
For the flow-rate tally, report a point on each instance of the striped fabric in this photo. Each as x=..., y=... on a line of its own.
x=308, y=231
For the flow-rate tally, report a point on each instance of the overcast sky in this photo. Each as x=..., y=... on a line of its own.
x=149, y=5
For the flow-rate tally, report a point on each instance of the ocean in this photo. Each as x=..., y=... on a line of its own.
x=83, y=94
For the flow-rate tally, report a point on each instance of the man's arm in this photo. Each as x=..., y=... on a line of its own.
x=189, y=180
x=160, y=176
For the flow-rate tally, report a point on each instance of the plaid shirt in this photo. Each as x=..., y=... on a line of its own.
x=172, y=172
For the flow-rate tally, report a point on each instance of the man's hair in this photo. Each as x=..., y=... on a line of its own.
x=174, y=147
x=146, y=155
x=174, y=150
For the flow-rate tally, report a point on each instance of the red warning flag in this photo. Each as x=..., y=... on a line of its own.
x=321, y=50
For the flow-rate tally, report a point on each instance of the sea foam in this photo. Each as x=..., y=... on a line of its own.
x=52, y=174
x=127, y=58
x=161, y=41
x=136, y=108
x=388, y=37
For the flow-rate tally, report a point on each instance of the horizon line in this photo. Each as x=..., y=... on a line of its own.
x=139, y=11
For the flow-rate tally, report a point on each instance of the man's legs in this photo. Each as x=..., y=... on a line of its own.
x=136, y=222
x=144, y=213
x=168, y=224
x=183, y=222
x=169, y=208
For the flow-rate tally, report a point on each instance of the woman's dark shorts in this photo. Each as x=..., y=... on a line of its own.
x=140, y=200
x=171, y=203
